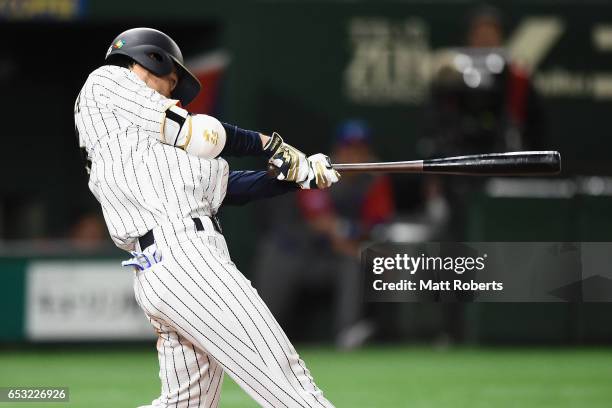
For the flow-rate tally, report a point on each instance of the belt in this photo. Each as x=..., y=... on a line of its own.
x=148, y=239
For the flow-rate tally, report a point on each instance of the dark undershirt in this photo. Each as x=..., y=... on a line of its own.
x=241, y=142
x=245, y=186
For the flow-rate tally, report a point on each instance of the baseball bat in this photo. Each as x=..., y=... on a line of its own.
x=492, y=164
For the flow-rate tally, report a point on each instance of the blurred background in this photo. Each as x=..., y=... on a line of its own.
x=361, y=81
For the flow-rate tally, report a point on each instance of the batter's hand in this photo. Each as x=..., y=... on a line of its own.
x=289, y=163
x=321, y=174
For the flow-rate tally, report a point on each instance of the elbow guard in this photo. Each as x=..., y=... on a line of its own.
x=199, y=135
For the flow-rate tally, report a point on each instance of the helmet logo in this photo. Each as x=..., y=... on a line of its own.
x=118, y=44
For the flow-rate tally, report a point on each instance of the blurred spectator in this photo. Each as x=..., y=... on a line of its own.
x=523, y=108
x=89, y=233
x=318, y=245
x=346, y=214
x=480, y=102
x=485, y=28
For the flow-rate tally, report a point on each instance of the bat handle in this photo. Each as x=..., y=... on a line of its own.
x=273, y=171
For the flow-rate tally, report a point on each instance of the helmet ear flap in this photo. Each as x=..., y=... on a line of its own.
x=156, y=56
x=163, y=61
x=155, y=60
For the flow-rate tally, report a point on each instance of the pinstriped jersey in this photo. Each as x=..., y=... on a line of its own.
x=139, y=180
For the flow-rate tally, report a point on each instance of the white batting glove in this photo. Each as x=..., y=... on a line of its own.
x=144, y=260
x=321, y=174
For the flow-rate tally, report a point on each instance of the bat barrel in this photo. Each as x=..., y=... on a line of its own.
x=504, y=164
x=492, y=164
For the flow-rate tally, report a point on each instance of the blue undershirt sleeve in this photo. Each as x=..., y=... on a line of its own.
x=245, y=186
x=241, y=142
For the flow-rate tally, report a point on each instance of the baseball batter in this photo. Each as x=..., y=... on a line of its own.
x=160, y=177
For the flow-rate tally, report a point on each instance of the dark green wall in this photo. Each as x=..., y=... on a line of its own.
x=12, y=299
x=298, y=51
x=287, y=74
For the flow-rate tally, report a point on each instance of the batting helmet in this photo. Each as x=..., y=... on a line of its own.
x=157, y=52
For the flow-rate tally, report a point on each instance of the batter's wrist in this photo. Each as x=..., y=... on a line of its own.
x=264, y=140
x=273, y=144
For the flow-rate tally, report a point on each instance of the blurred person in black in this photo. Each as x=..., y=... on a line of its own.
x=480, y=102
x=326, y=250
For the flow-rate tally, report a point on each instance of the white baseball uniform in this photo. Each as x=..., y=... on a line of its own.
x=209, y=318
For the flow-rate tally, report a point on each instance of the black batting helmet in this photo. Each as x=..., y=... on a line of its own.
x=157, y=52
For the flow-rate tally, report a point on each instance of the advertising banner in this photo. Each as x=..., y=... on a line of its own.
x=82, y=300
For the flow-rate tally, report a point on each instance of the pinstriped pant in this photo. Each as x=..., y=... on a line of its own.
x=210, y=320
